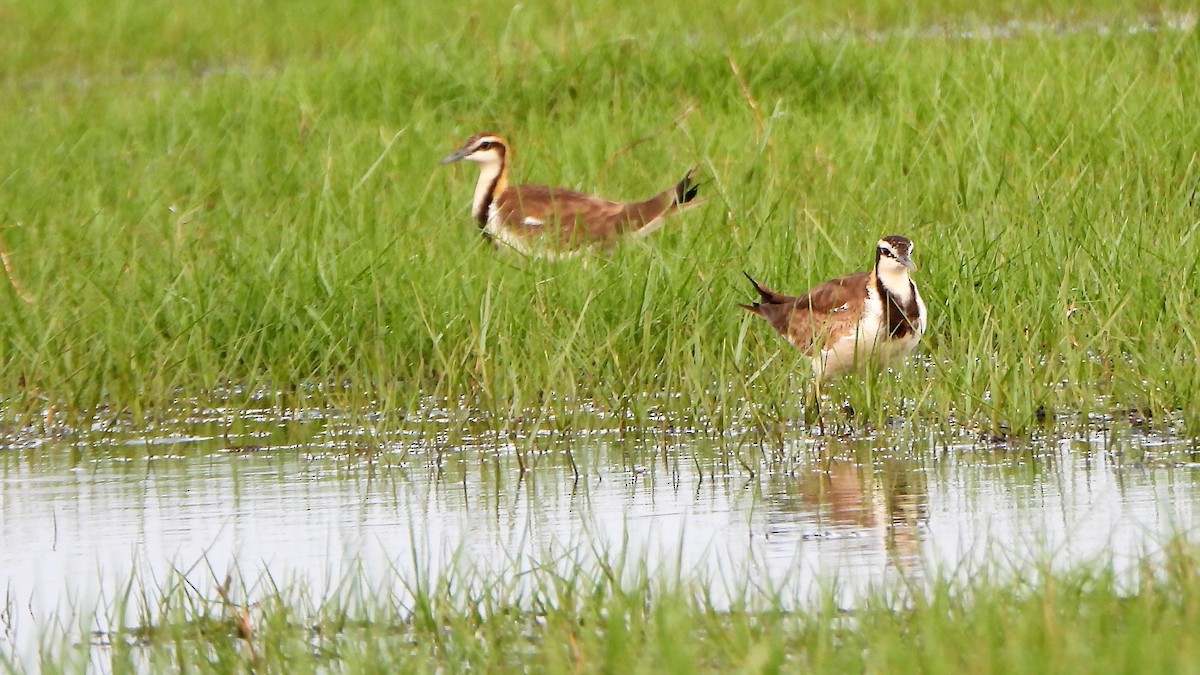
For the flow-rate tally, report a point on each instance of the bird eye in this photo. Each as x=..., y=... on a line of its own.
x=486, y=145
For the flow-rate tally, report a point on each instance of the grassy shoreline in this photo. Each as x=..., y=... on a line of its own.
x=634, y=620
x=194, y=208
x=210, y=210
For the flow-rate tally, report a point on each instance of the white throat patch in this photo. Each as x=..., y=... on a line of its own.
x=894, y=278
x=488, y=172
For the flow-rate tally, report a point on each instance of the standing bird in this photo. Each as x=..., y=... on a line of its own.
x=869, y=317
x=536, y=219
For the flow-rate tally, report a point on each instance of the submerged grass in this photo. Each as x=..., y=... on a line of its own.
x=556, y=618
x=193, y=199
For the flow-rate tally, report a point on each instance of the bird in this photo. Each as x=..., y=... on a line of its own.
x=546, y=221
x=872, y=317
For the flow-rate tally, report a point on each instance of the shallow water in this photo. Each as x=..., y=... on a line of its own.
x=296, y=496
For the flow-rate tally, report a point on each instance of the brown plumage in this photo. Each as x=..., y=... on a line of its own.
x=874, y=316
x=809, y=319
x=544, y=220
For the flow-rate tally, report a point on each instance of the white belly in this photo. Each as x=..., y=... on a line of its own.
x=505, y=236
x=867, y=346
x=523, y=245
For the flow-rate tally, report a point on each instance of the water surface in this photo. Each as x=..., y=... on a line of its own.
x=295, y=496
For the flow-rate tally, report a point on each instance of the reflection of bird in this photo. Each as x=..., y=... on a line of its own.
x=540, y=219
x=850, y=321
x=886, y=502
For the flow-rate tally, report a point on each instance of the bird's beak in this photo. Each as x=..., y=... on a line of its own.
x=907, y=262
x=456, y=156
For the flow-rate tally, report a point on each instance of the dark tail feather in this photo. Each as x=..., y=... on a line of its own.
x=766, y=295
x=756, y=308
x=768, y=300
x=686, y=190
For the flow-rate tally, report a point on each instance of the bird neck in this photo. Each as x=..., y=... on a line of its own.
x=896, y=283
x=897, y=296
x=493, y=180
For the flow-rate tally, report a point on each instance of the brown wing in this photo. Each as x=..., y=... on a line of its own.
x=577, y=218
x=571, y=217
x=826, y=309
x=807, y=321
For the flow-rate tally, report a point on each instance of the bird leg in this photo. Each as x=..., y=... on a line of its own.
x=812, y=407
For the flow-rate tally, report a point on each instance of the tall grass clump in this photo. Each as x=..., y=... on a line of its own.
x=194, y=200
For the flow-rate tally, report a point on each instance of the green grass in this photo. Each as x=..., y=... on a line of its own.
x=241, y=203
x=559, y=618
x=198, y=198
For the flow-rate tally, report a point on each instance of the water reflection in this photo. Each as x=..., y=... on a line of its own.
x=883, y=505
x=294, y=498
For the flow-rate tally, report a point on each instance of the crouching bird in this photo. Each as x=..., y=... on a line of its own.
x=872, y=317
x=546, y=221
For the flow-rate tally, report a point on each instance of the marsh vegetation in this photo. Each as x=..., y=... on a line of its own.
x=229, y=254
